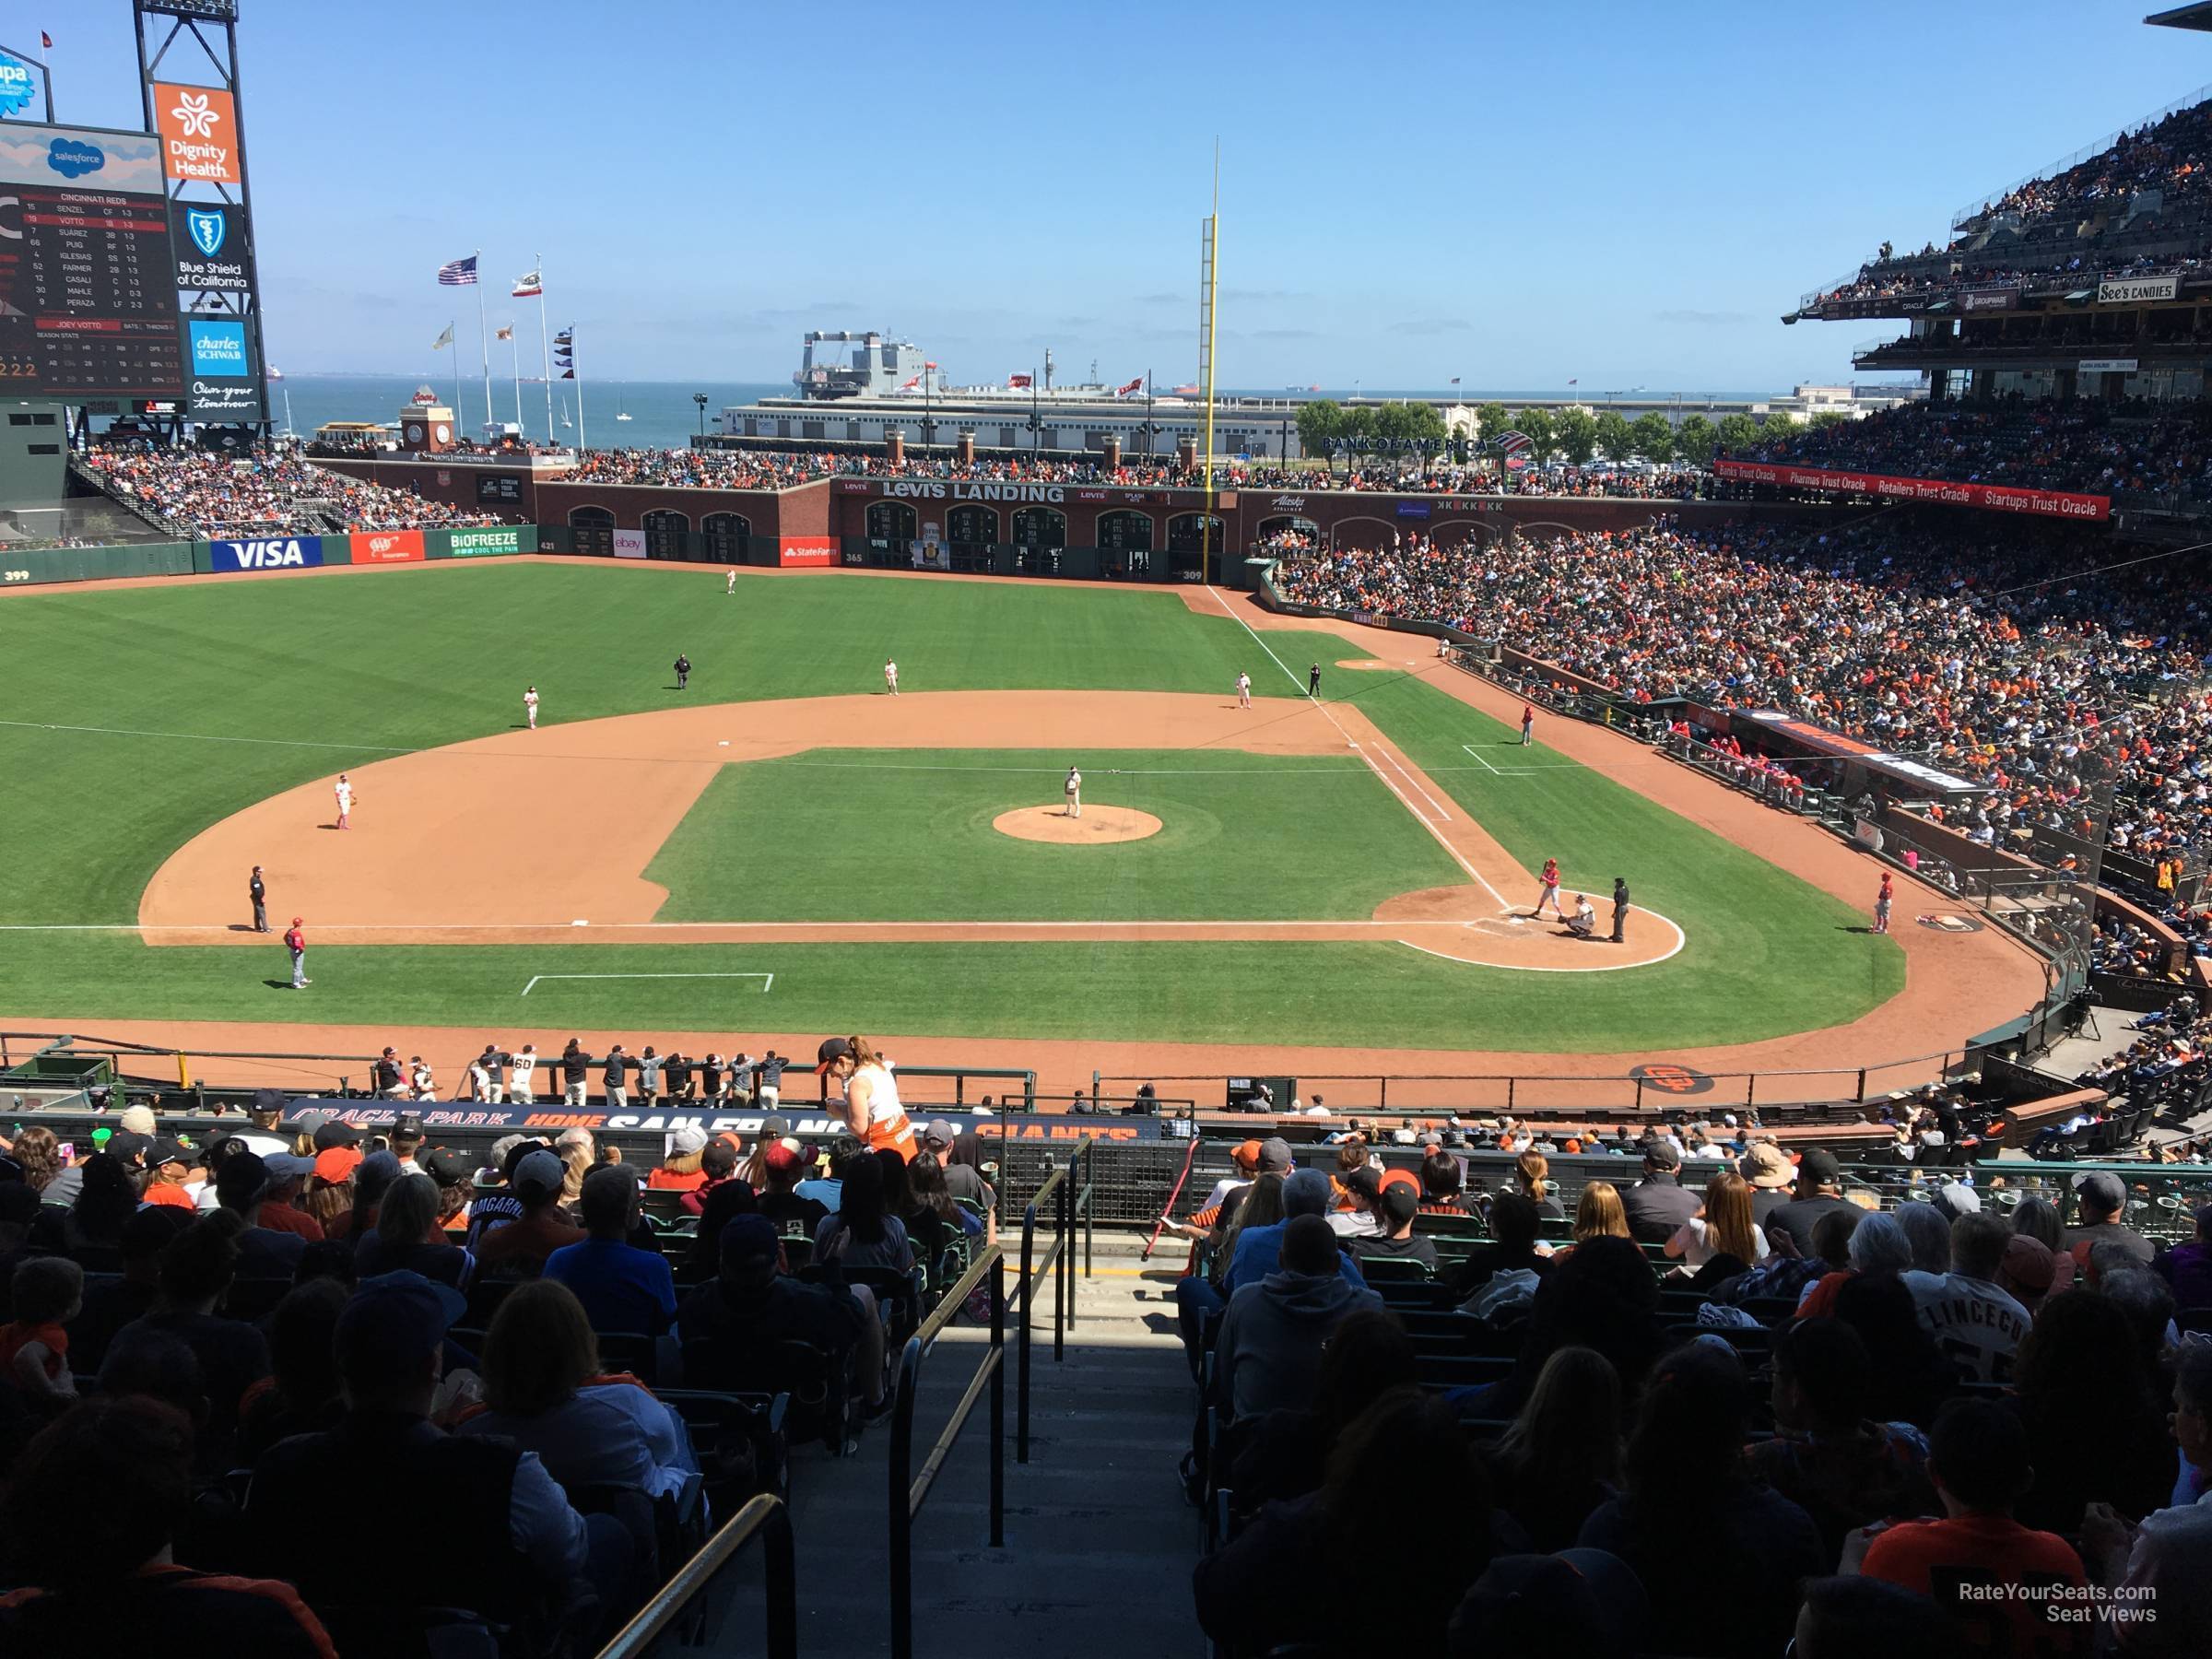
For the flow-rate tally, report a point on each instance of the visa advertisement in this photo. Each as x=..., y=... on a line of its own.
x=267, y=553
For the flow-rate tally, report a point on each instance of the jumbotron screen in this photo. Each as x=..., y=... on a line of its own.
x=87, y=278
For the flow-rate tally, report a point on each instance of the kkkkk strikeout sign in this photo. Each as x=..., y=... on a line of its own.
x=199, y=132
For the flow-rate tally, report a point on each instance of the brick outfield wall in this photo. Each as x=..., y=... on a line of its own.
x=838, y=507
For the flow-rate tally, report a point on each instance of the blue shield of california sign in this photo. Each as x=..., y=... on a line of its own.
x=207, y=231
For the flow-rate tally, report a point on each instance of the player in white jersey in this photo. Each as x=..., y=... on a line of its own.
x=1243, y=690
x=890, y=676
x=530, y=707
x=1074, y=790
x=343, y=790
x=522, y=1072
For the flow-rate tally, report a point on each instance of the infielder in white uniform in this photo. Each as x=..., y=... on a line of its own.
x=1074, y=789
x=343, y=789
x=1243, y=690
x=890, y=676
x=530, y=707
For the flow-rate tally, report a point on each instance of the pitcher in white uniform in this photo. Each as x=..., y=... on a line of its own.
x=1075, y=793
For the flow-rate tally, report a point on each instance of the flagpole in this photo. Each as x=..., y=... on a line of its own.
x=581, y=444
x=483, y=344
x=545, y=360
x=514, y=361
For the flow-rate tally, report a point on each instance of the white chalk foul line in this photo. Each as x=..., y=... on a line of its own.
x=1426, y=821
x=767, y=979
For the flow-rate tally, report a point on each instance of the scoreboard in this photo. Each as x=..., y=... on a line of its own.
x=87, y=276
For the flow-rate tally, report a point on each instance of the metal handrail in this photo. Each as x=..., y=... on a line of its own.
x=1065, y=1204
x=765, y=1517
x=909, y=1491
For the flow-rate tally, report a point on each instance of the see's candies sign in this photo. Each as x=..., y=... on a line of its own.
x=387, y=547
x=199, y=132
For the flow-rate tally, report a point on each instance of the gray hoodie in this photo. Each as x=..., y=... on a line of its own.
x=1267, y=1354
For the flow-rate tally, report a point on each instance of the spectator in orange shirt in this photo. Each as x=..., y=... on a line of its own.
x=280, y=1210
x=169, y=1165
x=1998, y=1580
x=681, y=1171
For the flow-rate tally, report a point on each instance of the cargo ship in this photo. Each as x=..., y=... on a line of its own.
x=862, y=388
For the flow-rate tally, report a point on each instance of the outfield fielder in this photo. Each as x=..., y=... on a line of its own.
x=1243, y=690
x=1074, y=790
x=890, y=676
x=730, y=586
x=530, y=707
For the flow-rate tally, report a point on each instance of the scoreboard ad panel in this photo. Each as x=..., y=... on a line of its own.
x=88, y=275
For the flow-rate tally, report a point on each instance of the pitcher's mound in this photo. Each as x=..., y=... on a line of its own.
x=1097, y=825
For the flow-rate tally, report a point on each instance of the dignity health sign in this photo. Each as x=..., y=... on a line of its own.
x=199, y=134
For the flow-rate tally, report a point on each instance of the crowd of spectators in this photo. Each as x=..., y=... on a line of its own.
x=703, y=468
x=1965, y=646
x=233, y=1373
x=204, y=495
x=2069, y=216
x=2090, y=446
x=1850, y=1430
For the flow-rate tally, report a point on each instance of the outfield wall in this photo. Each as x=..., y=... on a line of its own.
x=35, y=565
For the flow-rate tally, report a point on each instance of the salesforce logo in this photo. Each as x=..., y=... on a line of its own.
x=73, y=160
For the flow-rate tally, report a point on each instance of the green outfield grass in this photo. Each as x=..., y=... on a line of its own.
x=136, y=718
x=905, y=835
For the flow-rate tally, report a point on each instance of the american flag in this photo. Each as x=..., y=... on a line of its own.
x=458, y=273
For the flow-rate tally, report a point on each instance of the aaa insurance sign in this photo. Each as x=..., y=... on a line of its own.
x=199, y=134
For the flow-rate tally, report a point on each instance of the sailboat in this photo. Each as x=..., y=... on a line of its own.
x=564, y=411
x=620, y=413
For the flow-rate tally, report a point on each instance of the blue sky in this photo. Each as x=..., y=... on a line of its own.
x=1625, y=194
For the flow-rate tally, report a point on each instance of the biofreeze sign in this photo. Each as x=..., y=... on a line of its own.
x=480, y=543
x=273, y=553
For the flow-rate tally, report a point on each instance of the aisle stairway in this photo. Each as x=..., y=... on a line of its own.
x=1099, y=1544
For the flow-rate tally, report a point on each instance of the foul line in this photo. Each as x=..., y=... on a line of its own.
x=1473, y=874
x=41, y=725
x=767, y=979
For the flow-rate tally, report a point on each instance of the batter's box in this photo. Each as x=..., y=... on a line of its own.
x=767, y=979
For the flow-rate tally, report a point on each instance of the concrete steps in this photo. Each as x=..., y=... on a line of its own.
x=1099, y=1544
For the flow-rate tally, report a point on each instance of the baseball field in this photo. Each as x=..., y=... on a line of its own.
x=784, y=848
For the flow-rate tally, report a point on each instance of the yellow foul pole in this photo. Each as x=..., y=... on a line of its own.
x=1211, y=276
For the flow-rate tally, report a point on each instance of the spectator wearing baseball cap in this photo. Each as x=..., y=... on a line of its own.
x=508, y=1545
x=169, y=1166
x=965, y=1179
x=2100, y=1198
x=681, y=1169
x=519, y=1248
x=94, y=1515
x=785, y=1207
x=1819, y=1191
x=726, y=1326
x=280, y=1210
x=1658, y=1204
x=240, y=1181
x=139, y=1120
x=1394, y=1208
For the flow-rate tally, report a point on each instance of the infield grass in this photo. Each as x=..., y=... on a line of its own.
x=136, y=718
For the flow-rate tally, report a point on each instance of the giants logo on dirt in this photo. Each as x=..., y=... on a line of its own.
x=1672, y=1079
